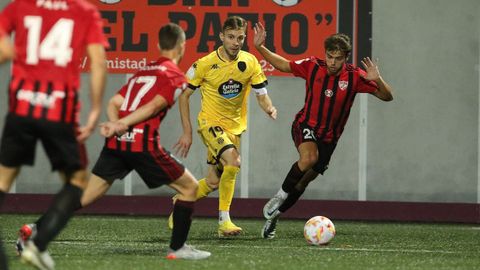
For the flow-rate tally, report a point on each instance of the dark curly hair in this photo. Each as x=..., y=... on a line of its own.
x=338, y=42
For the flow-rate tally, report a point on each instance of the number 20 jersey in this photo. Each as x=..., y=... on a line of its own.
x=50, y=39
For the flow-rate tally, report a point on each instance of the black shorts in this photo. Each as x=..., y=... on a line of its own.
x=156, y=168
x=19, y=140
x=303, y=133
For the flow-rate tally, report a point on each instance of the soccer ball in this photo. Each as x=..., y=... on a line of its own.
x=287, y=3
x=319, y=230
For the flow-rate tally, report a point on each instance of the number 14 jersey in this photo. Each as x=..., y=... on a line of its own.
x=50, y=39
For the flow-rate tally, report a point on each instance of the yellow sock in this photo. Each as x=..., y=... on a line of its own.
x=203, y=189
x=227, y=187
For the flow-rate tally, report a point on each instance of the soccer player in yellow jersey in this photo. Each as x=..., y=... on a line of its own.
x=224, y=78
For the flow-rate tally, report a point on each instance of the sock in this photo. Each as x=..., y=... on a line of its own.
x=281, y=194
x=182, y=219
x=40, y=220
x=227, y=187
x=3, y=256
x=293, y=177
x=203, y=189
x=292, y=198
x=57, y=215
x=223, y=216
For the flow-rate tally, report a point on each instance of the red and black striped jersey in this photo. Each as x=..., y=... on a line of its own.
x=50, y=39
x=328, y=99
x=163, y=78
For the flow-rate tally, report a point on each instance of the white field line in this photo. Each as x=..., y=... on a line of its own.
x=358, y=249
x=319, y=248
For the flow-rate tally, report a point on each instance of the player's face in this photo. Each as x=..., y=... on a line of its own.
x=233, y=41
x=335, y=61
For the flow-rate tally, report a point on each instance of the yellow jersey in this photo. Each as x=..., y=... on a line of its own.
x=225, y=86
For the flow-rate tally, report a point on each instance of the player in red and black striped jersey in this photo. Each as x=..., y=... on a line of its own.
x=50, y=38
x=331, y=86
x=133, y=140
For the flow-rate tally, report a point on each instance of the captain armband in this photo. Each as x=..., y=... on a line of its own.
x=261, y=91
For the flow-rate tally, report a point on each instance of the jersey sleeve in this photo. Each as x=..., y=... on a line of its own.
x=301, y=67
x=7, y=19
x=365, y=86
x=195, y=74
x=171, y=88
x=259, y=80
x=95, y=30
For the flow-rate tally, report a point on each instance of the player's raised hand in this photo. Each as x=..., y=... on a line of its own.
x=182, y=147
x=260, y=34
x=371, y=67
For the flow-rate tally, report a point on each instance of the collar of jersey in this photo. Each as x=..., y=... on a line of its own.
x=219, y=57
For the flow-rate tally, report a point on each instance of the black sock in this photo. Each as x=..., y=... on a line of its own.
x=293, y=177
x=3, y=256
x=292, y=198
x=57, y=215
x=182, y=219
x=40, y=220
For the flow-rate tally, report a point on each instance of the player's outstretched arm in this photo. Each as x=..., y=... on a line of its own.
x=384, y=91
x=121, y=126
x=149, y=110
x=183, y=144
x=265, y=103
x=276, y=60
x=98, y=72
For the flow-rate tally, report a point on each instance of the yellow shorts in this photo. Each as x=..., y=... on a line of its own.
x=217, y=141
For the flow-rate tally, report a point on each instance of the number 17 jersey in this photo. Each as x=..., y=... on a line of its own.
x=162, y=78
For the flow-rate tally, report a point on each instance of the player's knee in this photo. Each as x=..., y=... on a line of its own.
x=234, y=161
x=307, y=161
x=189, y=188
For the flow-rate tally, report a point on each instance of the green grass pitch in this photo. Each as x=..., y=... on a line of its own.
x=121, y=242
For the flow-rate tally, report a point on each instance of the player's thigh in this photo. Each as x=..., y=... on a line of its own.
x=185, y=185
x=231, y=156
x=95, y=189
x=18, y=141
x=157, y=167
